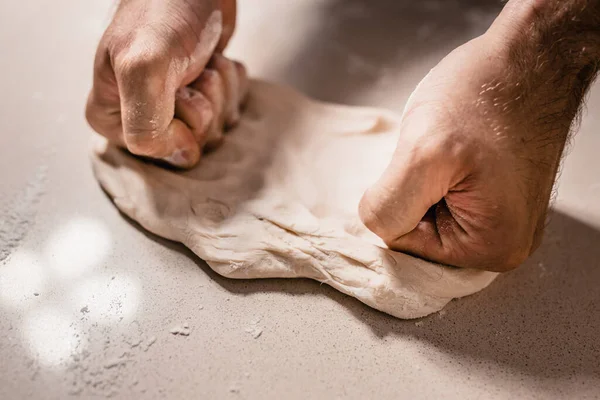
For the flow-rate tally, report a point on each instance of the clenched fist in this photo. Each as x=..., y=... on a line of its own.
x=161, y=87
x=482, y=138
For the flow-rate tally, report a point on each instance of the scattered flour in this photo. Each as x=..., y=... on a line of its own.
x=183, y=330
x=17, y=214
x=254, y=330
x=106, y=369
x=151, y=340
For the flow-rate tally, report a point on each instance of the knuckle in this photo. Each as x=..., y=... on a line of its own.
x=136, y=64
x=515, y=248
x=510, y=261
x=141, y=57
x=91, y=113
x=211, y=85
x=519, y=253
x=212, y=77
x=208, y=82
x=456, y=144
x=224, y=66
x=433, y=133
x=507, y=257
x=450, y=145
x=240, y=66
x=96, y=124
x=218, y=59
x=100, y=119
x=372, y=215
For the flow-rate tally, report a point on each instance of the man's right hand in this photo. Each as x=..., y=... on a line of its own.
x=161, y=87
x=482, y=137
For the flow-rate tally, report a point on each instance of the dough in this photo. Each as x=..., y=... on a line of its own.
x=279, y=199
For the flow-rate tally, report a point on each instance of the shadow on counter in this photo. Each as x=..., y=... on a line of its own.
x=542, y=319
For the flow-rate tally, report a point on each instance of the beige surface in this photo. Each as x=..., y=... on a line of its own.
x=103, y=285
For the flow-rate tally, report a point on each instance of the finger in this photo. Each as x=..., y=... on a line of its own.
x=211, y=86
x=436, y=237
x=147, y=83
x=397, y=202
x=229, y=74
x=103, y=106
x=243, y=83
x=183, y=149
x=104, y=121
x=196, y=111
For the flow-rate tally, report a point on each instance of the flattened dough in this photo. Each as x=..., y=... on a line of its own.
x=280, y=198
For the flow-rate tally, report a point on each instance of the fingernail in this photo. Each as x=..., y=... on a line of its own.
x=179, y=158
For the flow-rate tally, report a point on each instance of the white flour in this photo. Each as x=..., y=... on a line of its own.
x=17, y=213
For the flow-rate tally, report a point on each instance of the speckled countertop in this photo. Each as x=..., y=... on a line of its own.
x=90, y=305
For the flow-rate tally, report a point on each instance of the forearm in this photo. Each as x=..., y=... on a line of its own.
x=553, y=53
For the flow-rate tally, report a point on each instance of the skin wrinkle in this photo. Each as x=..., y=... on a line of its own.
x=456, y=217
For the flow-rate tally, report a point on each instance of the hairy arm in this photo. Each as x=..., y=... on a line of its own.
x=482, y=138
x=552, y=49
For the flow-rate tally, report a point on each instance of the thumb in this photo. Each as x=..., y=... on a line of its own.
x=397, y=202
x=405, y=207
x=147, y=83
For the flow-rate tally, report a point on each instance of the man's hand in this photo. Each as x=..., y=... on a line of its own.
x=161, y=88
x=482, y=137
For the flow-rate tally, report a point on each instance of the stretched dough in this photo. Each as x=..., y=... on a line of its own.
x=280, y=198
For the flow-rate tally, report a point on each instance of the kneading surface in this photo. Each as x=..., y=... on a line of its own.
x=280, y=199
